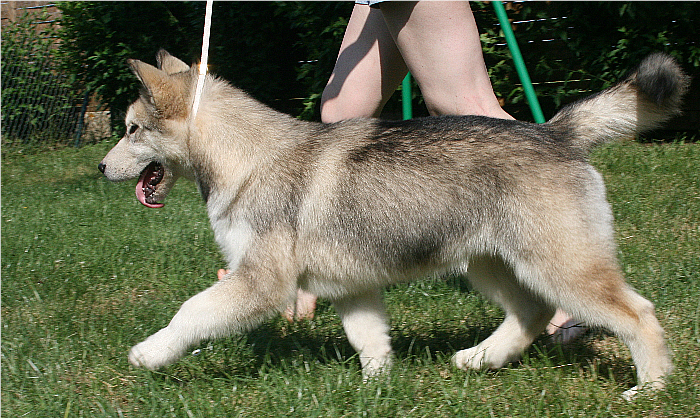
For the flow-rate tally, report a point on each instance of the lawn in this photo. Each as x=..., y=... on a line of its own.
x=87, y=272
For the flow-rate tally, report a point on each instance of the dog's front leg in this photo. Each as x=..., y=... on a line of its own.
x=235, y=304
x=366, y=324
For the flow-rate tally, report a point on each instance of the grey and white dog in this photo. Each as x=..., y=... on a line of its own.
x=345, y=209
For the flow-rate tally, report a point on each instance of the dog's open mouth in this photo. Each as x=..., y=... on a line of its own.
x=151, y=176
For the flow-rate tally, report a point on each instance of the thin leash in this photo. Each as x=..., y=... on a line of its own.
x=205, y=58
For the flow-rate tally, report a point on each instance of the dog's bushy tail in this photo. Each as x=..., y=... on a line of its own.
x=649, y=96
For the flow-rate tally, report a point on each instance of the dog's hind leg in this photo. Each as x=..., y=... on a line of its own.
x=602, y=298
x=366, y=325
x=526, y=316
x=644, y=336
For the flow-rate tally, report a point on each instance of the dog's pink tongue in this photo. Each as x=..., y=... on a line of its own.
x=148, y=174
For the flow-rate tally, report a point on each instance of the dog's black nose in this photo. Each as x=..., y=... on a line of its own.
x=101, y=167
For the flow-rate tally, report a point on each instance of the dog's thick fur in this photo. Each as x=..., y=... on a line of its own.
x=345, y=209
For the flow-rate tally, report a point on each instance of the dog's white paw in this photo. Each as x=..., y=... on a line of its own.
x=471, y=358
x=630, y=394
x=646, y=389
x=158, y=350
x=375, y=367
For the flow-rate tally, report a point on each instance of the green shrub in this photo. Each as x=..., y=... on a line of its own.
x=283, y=52
x=572, y=49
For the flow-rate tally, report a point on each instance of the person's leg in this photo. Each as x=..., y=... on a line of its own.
x=303, y=308
x=440, y=43
x=368, y=70
x=564, y=329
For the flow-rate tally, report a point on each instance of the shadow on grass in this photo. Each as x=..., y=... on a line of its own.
x=287, y=347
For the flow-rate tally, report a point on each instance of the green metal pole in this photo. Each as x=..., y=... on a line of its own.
x=407, y=97
x=519, y=63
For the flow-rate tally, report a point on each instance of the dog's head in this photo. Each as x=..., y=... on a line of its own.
x=154, y=148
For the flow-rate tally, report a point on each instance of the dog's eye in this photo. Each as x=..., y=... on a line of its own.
x=133, y=128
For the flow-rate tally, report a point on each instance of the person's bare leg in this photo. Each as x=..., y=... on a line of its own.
x=440, y=43
x=303, y=308
x=368, y=70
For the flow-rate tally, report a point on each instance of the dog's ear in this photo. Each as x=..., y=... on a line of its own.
x=169, y=63
x=168, y=94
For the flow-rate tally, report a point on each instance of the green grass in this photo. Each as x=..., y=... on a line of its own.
x=87, y=272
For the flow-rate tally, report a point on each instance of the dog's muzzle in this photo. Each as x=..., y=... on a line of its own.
x=148, y=184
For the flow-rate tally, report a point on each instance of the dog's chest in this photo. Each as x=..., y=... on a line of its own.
x=234, y=236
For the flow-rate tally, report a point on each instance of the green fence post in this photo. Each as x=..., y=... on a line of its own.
x=407, y=97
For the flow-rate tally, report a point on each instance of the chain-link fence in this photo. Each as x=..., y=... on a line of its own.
x=39, y=102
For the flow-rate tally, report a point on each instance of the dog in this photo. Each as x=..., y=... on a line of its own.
x=343, y=210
